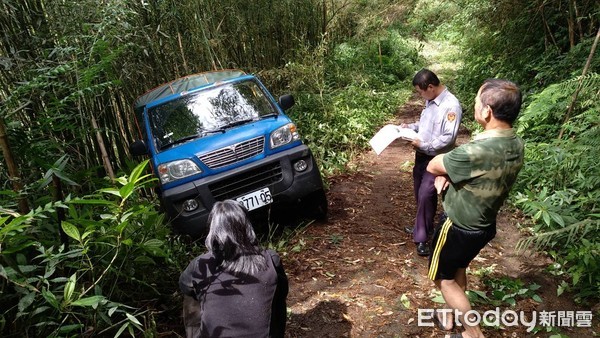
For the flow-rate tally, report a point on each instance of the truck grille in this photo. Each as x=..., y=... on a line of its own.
x=234, y=153
x=247, y=182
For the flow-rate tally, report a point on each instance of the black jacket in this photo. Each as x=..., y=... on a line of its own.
x=234, y=305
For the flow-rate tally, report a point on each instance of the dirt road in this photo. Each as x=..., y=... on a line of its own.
x=358, y=274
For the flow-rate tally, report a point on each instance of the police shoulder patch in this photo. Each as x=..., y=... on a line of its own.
x=451, y=116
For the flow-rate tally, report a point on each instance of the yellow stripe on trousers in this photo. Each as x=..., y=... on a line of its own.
x=435, y=258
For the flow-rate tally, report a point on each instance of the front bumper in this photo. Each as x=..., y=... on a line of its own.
x=287, y=187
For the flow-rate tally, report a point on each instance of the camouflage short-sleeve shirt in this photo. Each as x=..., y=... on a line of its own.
x=481, y=174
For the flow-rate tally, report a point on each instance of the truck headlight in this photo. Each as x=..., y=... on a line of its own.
x=284, y=135
x=173, y=171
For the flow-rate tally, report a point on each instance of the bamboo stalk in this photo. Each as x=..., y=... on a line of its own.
x=185, y=66
x=13, y=171
x=102, y=148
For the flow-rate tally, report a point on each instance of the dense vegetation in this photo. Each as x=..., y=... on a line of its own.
x=71, y=71
x=548, y=48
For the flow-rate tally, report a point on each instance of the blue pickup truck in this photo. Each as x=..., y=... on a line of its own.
x=221, y=135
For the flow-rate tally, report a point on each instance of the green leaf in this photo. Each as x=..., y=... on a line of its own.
x=4, y=219
x=105, y=318
x=536, y=298
x=26, y=301
x=108, y=216
x=133, y=319
x=137, y=171
x=49, y=271
x=154, y=246
x=27, y=268
x=69, y=288
x=126, y=215
x=122, y=180
x=576, y=276
x=557, y=218
x=153, y=243
x=50, y=298
x=480, y=294
x=69, y=328
x=121, y=329
x=405, y=301
x=71, y=230
x=18, y=248
x=8, y=272
x=40, y=309
x=121, y=226
x=126, y=190
x=87, y=233
x=92, y=301
x=64, y=177
x=112, y=191
x=546, y=218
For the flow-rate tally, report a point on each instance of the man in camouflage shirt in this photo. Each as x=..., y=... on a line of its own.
x=475, y=179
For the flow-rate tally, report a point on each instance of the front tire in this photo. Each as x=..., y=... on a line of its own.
x=317, y=205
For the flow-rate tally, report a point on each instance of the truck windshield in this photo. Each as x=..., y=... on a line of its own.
x=208, y=111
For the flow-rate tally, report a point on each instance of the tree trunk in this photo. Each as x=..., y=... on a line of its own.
x=578, y=21
x=13, y=171
x=571, y=25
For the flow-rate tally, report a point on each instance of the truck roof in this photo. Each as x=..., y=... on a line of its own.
x=185, y=83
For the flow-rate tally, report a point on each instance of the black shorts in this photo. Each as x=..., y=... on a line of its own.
x=454, y=248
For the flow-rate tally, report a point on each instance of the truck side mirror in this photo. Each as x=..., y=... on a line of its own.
x=286, y=101
x=138, y=148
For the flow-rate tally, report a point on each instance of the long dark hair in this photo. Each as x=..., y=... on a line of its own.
x=232, y=240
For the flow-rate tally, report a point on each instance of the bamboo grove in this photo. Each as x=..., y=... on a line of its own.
x=71, y=70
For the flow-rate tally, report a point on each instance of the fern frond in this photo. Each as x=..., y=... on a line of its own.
x=591, y=137
x=543, y=240
x=589, y=83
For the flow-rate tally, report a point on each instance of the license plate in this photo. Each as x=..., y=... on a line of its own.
x=256, y=199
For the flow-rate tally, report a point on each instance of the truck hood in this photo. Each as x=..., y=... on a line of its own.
x=196, y=147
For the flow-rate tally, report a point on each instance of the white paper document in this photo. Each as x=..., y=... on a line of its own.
x=389, y=133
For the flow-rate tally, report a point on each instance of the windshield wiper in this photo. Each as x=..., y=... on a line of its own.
x=236, y=123
x=271, y=114
x=179, y=140
x=212, y=131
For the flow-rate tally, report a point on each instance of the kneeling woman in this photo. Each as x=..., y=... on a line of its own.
x=236, y=289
